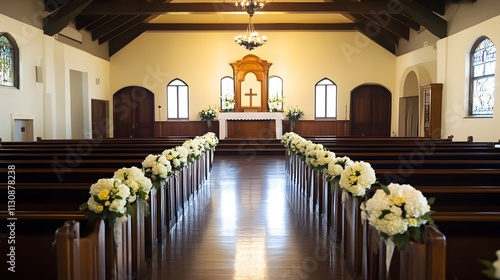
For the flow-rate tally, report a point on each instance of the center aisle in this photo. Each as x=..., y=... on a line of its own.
x=242, y=226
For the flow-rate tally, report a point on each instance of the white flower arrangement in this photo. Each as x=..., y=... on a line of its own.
x=138, y=183
x=335, y=168
x=228, y=102
x=275, y=103
x=318, y=157
x=211, y=139
x=107, y=201
x=208, y=114
x=398, y=212
x=177, y=157
x=157, y=168
x=357, y=178
x=193, y=146
x=294, y=113
x=492, y=268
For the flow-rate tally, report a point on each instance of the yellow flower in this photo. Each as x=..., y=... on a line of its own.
x=99, y=208
x=170, y=157
x=107, y=203
x=398, y=200
x=412, y=222
x=146, y=197
x=103, y=194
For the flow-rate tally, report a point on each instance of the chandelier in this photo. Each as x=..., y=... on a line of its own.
x=251, y=39
x=250, y=5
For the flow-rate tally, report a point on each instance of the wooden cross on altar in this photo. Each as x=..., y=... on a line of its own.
x=251, y=95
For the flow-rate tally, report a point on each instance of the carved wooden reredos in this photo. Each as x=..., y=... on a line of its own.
x=252, y=65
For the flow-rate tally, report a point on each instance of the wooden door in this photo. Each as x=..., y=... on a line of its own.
x=100, y=118
x=133, y=115
x=371, y=111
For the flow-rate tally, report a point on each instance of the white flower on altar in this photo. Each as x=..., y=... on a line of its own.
x=357, y=177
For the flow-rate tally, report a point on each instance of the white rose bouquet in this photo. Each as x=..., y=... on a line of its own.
x=177, y=157
x=138, y=183
x=157, y=168
x=335, y=168
x=357, y=177
x=108, y=201
x=398, y=212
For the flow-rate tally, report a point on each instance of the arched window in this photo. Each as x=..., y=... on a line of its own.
x=177, y=100
x=276, y=92
x=9, y=61
x=325, y=100
x=482, y=78
x=227, y=94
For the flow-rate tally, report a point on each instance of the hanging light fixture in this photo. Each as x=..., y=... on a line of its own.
x=251, y=39
x=250, y=5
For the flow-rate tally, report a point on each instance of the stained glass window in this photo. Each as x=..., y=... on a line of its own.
x=8, y=61
x=326, y=100
x=482, y=79
x=177, y=100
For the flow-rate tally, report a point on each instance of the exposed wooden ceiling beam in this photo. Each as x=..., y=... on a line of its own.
x=292, y=7
x=120, y=41
x=117, y=31
x=434, y=23
x=383, y=42
x=110, y=26
x=391, y=25
x=242, y=27
x=60, y=18
x=407, y=21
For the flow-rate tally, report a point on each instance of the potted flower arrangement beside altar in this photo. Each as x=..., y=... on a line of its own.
x=294, y=114
x=208, y=115
x=275, y=104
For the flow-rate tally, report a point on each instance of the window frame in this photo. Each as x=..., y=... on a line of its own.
x=221, y=94
x=184, y=84
x=472, y=79
x=15, y=54
x=331, y=83
x=280, y=94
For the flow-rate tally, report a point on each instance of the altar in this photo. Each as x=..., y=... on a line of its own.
x=250, y=116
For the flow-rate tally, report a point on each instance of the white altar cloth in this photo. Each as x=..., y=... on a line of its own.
x=225, y=116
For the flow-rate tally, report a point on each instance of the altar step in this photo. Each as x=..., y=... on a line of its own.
x=250, y=146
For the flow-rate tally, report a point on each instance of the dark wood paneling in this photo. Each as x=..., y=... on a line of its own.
x=252, y=129
x=307, y=128
x=371, y=111
x=100, y=118
x=184, y=128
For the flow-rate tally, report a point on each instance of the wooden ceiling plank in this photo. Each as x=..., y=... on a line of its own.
x=242, y=27
x=407, y=21
x=376, y=30
x=434, y=23
x=100, y=22
x=60, y=18
x=120, y=41
x=83, y=21
x=389, y=46
x=119, y=30
x=110, y=26
x=292, y=7
x=52, y=5
x=391, y=25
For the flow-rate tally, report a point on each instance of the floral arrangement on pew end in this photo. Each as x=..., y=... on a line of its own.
x=157, y=168
x=399, y=213
x=492, y=268
x=294, y=114
x=228, y=102
x=208, y=115
x=139, y=185
x=275, y=103
x=357, y=177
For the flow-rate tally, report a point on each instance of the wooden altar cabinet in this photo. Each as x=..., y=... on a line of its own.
x=250, y=116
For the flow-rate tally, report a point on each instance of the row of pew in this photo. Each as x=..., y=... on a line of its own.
x=52, y=179
x=462, y=176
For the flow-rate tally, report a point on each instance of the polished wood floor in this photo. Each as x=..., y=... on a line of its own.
x=243, y=225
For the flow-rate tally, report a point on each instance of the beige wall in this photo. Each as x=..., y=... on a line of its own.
x=201, y=59
x=48, y=103
x=448, y=62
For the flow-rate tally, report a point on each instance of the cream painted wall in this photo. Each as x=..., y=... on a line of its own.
x=447, y=62
x=25, y=101
x=201, y=59
x=48, y=102
x=452, y=70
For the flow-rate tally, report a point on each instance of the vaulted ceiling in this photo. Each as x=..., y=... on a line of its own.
x=118, y=22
